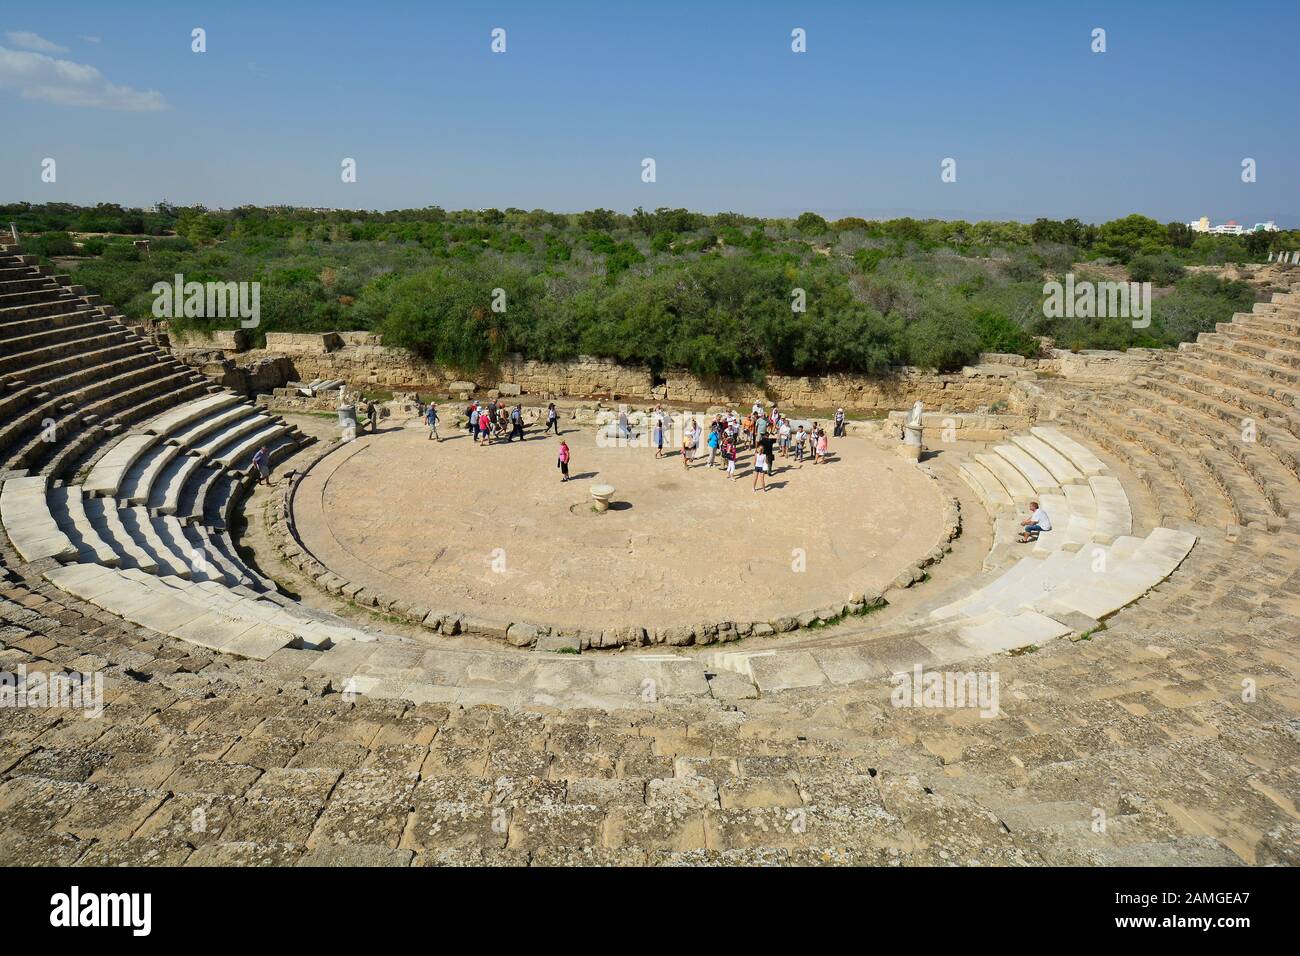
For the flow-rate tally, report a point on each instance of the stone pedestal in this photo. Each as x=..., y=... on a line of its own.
x=912, y=446
x=601, y=494
x=348, y=421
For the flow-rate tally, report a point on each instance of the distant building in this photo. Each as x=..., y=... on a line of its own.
x=1230, y=228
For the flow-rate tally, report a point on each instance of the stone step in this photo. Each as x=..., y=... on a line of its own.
x=68, y=506
x=1125, y=581
x=88, y=362
x=44, y=291
x=149, y=602
x=203, y=433
x=165, y=493
x=192, y=500
x=29, y=523
x=986, y=485
x=1225, y=356
x=111, y=470
x=239, y=452
x=56, y=306
x=200, y=541
x=1114, y=512
x=1037, y=476
x=1013, y=482
x=1220, y=473
x=139, y=524
x=146, y=471
x=189, y=413
x=1260, y=334
x=222, y=545
x=29, y=355
x=107, y=521
x=1242, y=381
x=1070, y=531
x=1222, y=400
x=1059, y=468
x=1222, y=445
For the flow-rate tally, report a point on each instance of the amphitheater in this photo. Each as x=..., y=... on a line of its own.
x=267, y=703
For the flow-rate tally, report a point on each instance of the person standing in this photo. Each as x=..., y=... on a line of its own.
x=473, y=421
x=372, y=415
x=563, y=461
x=783, y=435
x=768, y=446
x=760, y=469
x=659, y=434
x=552, y=420
x=517, y=423
x=431, y=419
x=688, y=445
x=800, y=444
x=715, y=440
x=839, y=423
x=729, y=455
x=261, y=465
x=822, y=446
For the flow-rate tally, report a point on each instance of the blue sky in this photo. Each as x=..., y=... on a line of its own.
x=1038, y=124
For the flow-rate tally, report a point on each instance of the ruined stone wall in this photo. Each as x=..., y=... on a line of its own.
x=363, y=361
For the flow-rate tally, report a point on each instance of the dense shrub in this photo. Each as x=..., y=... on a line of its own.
x=716, y=294
x=1161, y=269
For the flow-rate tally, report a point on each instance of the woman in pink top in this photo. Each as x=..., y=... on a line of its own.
x=564, y=460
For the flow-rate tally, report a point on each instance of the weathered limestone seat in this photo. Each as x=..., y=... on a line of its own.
x=1085, y=504
x=29, y=523
x=1219, y=420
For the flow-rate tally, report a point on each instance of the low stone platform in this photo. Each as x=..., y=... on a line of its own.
x=492, y=533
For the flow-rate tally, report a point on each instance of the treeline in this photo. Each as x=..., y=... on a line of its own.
x=722, y=295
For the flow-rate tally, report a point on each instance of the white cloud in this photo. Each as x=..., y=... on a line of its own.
x=89, y=39
x=32, y=41
x=39, y=77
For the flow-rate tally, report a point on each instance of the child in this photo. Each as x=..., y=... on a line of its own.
x=563, y=461
x=821, y=447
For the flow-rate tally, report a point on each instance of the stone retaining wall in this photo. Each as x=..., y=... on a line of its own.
x=363, y=361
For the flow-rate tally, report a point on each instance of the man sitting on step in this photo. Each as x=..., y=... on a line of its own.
x=1036, y=522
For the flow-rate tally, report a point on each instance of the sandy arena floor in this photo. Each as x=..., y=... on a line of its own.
x=492, y=532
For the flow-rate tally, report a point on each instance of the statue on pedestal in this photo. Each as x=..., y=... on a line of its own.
x=912, y=446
